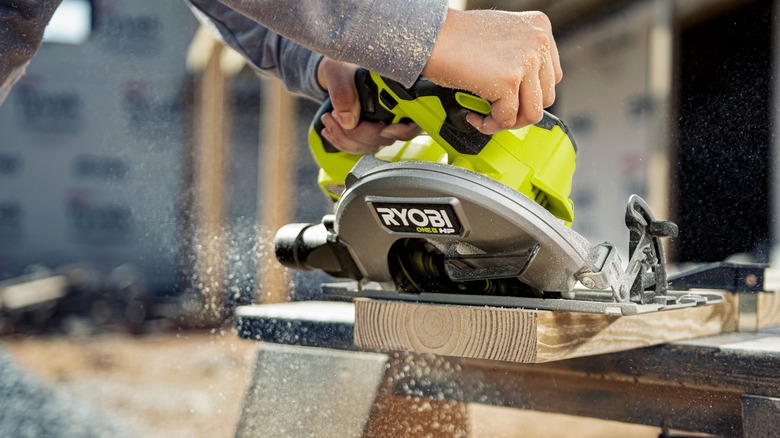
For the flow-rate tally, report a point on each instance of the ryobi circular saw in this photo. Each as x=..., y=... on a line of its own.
x=457, y=216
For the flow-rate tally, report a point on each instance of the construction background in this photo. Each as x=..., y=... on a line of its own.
x=144, y=167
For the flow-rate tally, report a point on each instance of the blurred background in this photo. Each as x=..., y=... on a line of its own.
x=131, y=169
x=144, y=167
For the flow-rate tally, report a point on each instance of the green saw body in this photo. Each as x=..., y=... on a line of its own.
x=537, y=161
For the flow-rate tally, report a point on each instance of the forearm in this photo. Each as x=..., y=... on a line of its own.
x=391, y=37
x=21, y=31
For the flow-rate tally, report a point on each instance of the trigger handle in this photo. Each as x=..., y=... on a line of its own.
x=370, y=108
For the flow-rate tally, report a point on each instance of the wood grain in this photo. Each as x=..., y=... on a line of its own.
x=479, y=332
x=524, y=336
x=768, y=309
x=564, y=335
x=768, y=306
x=730, y=311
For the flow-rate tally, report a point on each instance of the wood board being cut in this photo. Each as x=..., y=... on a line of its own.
x=527, y=336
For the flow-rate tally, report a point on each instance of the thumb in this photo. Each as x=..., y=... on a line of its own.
x=343, y=95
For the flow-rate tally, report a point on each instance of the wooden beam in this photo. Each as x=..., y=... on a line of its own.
x=201, y=50
x=660, y=78
x=768, y=309
x=526, y=336
x=277, y=182
x=769, y=302
x=211, y=169
x=457, y=4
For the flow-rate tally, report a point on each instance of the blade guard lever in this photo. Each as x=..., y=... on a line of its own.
x=644, y=280
x=647, y=263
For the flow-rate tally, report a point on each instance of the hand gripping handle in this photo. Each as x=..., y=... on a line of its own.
x=370, y=110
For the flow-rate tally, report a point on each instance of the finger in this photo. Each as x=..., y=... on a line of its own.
x=348, y=145
x=530, y=101
x=547, y=82
x=343, y=95
x=364, y=139
x=476, y=121
x=556, y=60
x=503, y=115
x=553, y=50
x=400, y=131
x=365, y=132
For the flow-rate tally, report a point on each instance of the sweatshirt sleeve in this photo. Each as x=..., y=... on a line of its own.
x=267, y=51
x=21, y=32
x=391, y=37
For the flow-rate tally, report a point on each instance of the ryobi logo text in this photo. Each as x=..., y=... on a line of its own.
x=418, y=218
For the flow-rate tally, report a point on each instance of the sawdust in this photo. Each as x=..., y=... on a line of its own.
x=192, y=384
x=188, y=384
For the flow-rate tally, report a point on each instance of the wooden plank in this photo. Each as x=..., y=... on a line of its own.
x=768, y=303
x=731, y=311
x=564, y=335
x=478, y=332
x=525, y=336
x=327, y=324
x=653, y=386
x=768, y=308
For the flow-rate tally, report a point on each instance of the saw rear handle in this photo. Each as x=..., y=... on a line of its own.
x=382, y=106
x=378, y=106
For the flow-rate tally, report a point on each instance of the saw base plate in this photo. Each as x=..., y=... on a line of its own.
x=578, y=300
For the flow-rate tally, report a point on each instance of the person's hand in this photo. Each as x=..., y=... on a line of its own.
x=342, y=127
x=508, y=58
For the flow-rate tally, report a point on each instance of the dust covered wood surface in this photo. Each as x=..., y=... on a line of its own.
x=192, y=384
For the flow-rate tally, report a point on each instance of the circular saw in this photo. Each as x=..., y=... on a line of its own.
x=457, y=216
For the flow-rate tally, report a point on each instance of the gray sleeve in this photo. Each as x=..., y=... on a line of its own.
x=267, y=51
x=21, y=33
x=391, y=37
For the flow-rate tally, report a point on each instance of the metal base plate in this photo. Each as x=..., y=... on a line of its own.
x=585, y=301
